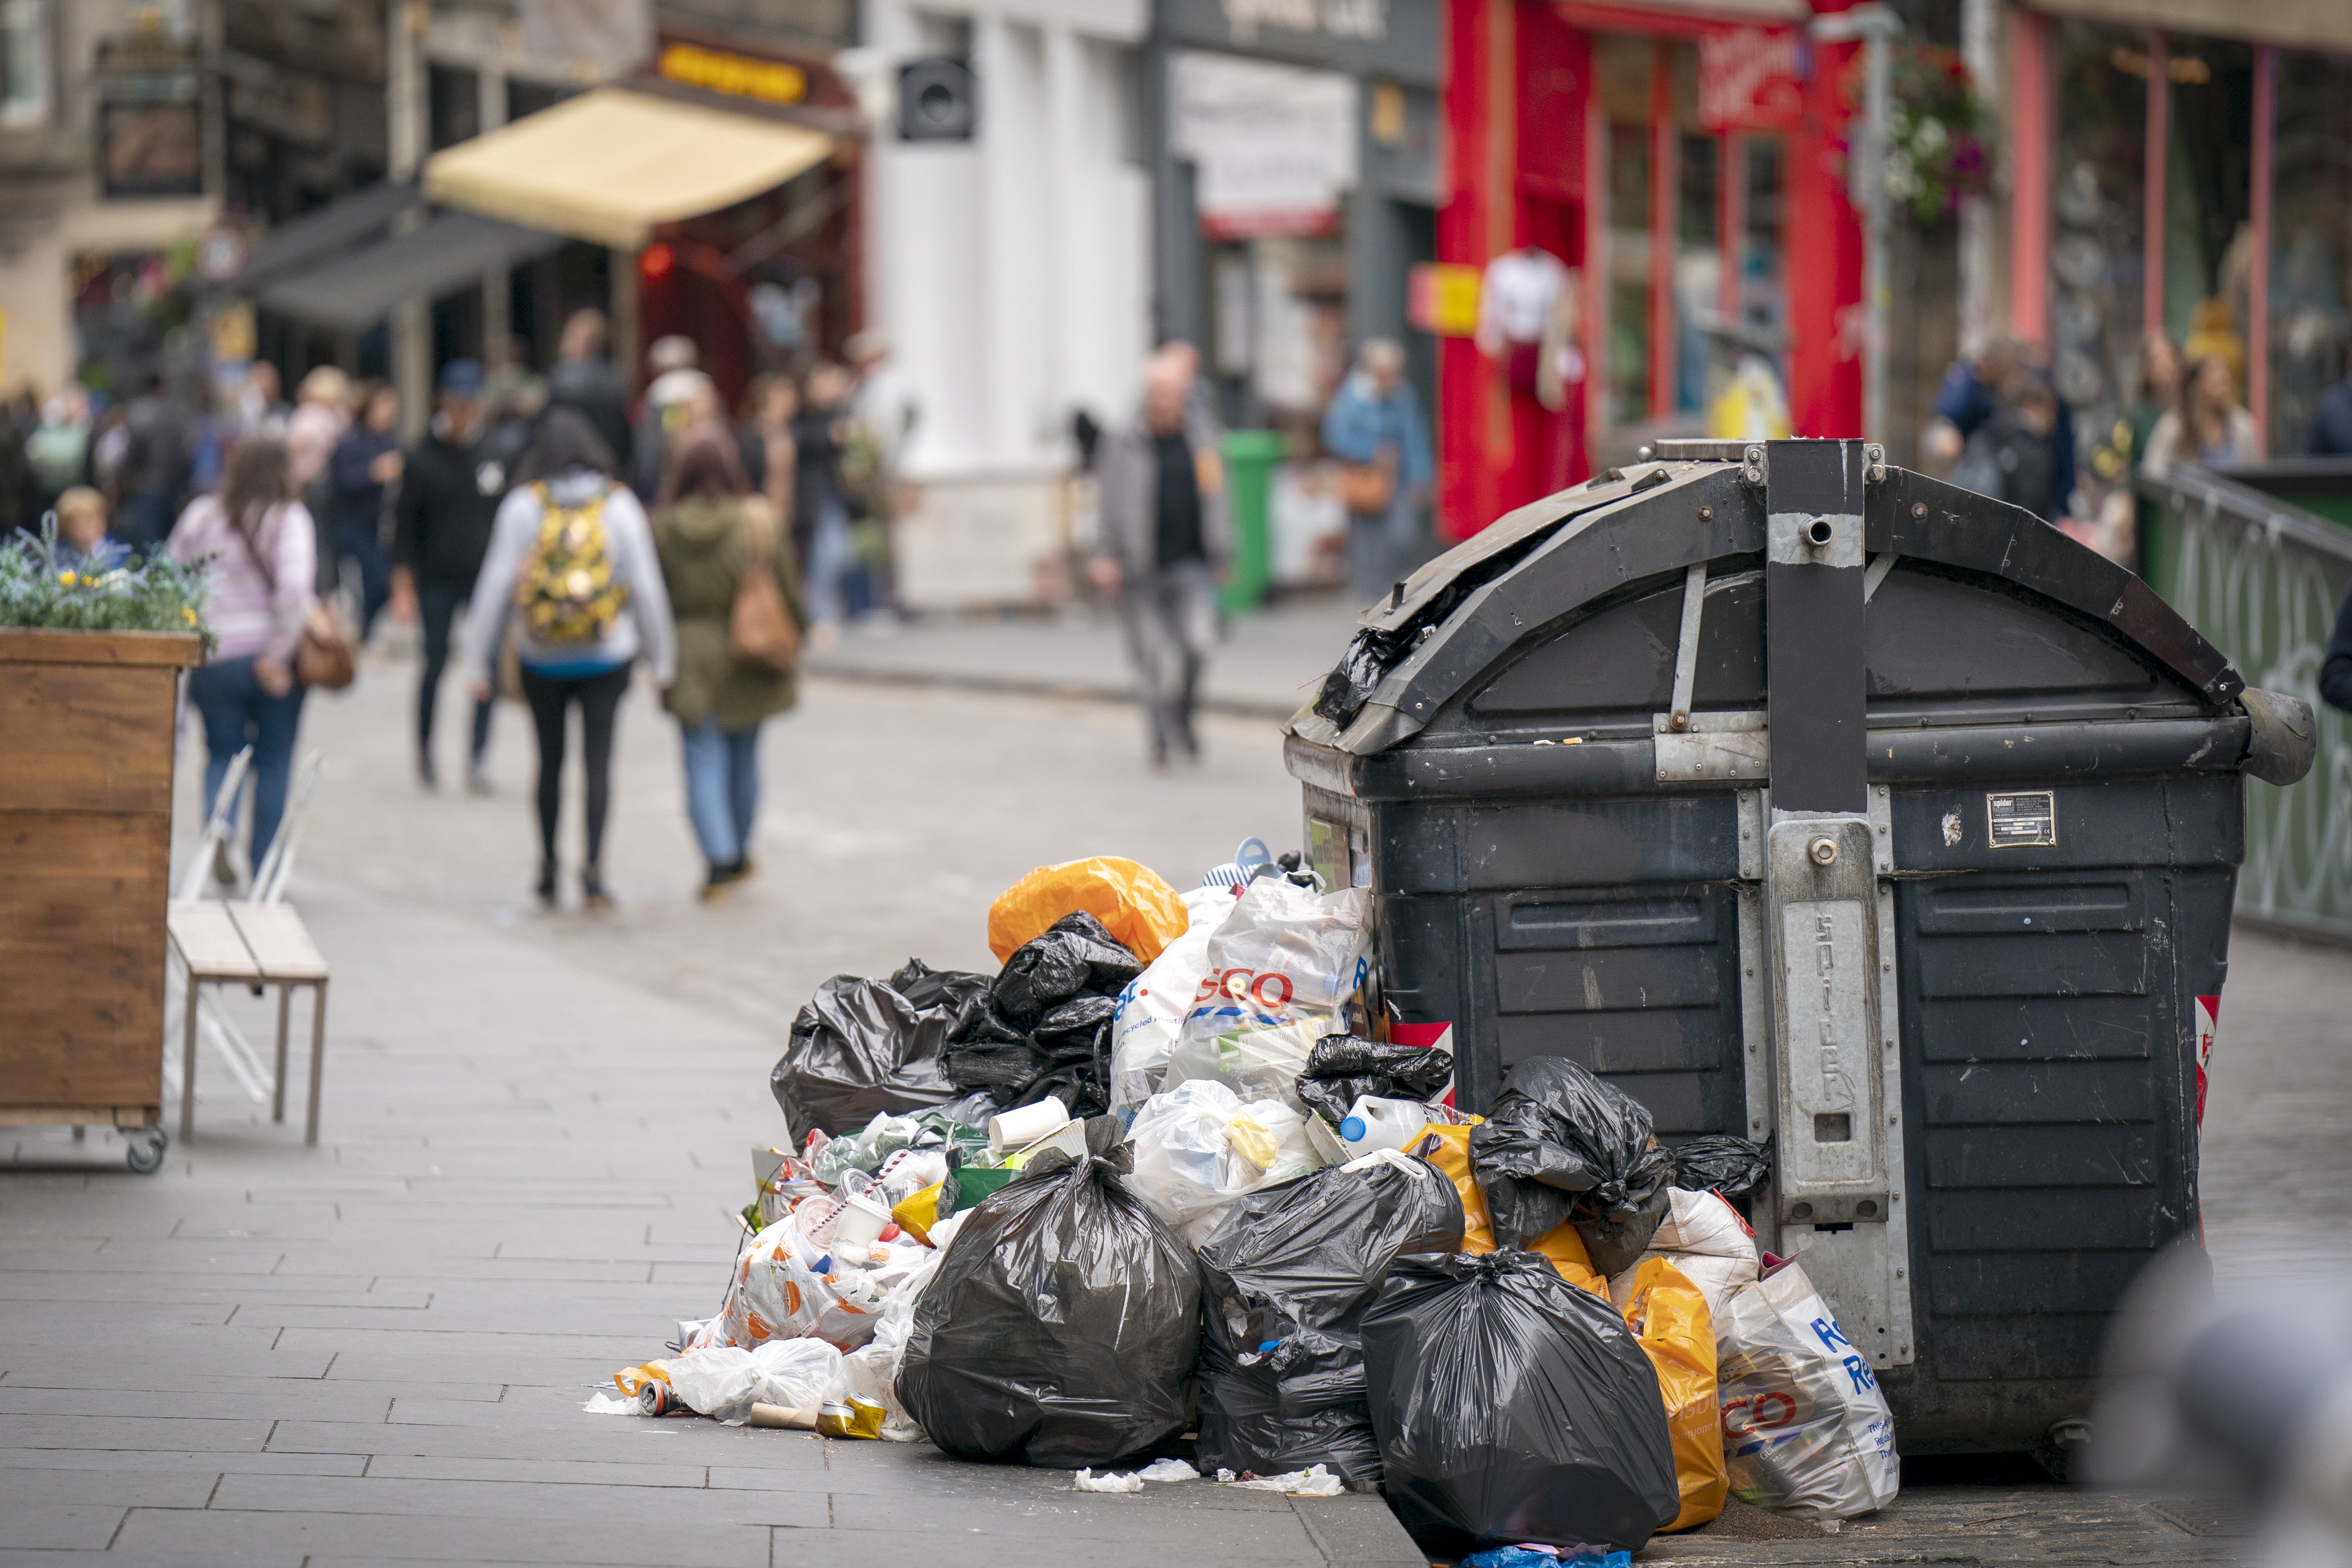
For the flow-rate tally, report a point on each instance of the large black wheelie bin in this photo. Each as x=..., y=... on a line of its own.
x=1810, y=799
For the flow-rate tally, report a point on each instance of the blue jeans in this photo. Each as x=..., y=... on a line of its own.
x=723, y=787
x=238, y=712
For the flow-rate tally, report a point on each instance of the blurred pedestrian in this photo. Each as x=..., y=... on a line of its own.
x=677, y=395
x=81, y=535
x=2331, y=427
x=2205, y=425
x=59, y=449
x=821, y=499
x=321, y=413
x=1375, y=426
x=365, y=463
x=1975, y=392
x=710, y=532
x=443, y=521
x=765, y=443
x=254, y=542
x=584, y=379
x=152, y=478
x=1166, y=538
x=2157, y=388
x=572, y=558
x=260, y=403
x=2009, y=457
x=83, y=546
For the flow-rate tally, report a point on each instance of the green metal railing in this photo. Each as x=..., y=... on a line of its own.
x=2261, y=577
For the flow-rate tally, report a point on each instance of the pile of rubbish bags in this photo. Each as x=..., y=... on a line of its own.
x=1167, y=1190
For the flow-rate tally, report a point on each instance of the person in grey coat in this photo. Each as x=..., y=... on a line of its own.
x=1165, y=539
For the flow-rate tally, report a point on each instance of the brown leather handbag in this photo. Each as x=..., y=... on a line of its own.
x=1366, y=489
x=323, y=657
x=760, y=626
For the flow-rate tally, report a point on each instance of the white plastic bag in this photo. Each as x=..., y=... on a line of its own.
x=1198, y=1148
x=871, y=1371
x=1704, y=1237
x=784, y=1288
x=1806, y=1429
x=1254, y=1063
x=725, y=1381
x=1281, y=970
x=1151, y=1015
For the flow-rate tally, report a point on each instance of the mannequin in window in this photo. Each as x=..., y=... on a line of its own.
x=1528, y=318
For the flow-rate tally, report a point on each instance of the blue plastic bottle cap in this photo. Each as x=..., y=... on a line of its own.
x=1352, y=1129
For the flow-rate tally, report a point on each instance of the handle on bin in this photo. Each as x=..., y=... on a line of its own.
x=2284, y=741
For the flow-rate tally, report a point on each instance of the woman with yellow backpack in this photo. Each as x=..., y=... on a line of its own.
x=571, y=570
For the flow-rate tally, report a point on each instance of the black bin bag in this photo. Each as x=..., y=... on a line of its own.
x=1294, y=1268
x=1560, y=1145
x=1512, y=1406
x=1061, y=1326
x=864, y=1047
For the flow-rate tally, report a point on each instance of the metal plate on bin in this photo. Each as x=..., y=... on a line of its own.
x=2024, y=820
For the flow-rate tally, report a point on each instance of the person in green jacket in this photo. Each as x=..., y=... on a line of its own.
x=708, y=530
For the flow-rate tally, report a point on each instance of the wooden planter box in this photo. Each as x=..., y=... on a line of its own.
x=85, y=733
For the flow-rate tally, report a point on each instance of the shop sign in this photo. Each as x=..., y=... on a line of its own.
x=1399, y=39
x=1274, y=147
x=738, y=76
x=1441, y=298
x=1752, y=79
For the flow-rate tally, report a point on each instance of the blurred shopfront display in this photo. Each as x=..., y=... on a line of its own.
x=1649, y=234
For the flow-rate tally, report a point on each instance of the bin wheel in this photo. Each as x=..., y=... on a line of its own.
x=145, y=1155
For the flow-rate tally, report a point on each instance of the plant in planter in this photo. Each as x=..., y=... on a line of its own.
x=1937, y=130
x=36, y=589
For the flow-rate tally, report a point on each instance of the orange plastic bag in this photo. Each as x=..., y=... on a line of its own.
x=1138, y=907
x=1669, y=1314
x=1448, y=1148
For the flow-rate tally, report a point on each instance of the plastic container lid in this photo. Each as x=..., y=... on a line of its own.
x=1352, y=1129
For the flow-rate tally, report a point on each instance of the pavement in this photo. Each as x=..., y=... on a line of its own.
x=1269, y=666
x=537, y=1125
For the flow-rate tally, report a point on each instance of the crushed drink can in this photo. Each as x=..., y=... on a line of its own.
x=659, y=1398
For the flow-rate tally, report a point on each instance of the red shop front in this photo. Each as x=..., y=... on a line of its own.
x=1648, y=204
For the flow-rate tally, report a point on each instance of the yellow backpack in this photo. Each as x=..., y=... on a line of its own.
x=566, y=591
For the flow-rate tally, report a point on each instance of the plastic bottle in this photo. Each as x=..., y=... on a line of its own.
x=1374, y=1124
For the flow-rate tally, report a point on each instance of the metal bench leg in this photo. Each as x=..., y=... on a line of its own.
x=317, y=1056
x=188, y=1070
x=277, y=1083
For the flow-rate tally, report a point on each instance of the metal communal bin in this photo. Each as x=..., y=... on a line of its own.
x=1810, y=799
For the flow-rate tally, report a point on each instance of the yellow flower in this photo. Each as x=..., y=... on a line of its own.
x=66, y=577
x=188, y=614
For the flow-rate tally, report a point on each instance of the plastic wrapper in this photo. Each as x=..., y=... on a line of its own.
x=871, y=1371
x=1063, y=1323
x=1134, y=903
x=1342, y=1067
x=1560, y=1145
x=785, y=1287
x=1806, y=1429
x=863, y=1047
x=1718, y=1162
x=724, y=1382
x=1198, y=1148
x=1512, y=1406
x=1285, y=1280
x=1669, y=1317
x=1150, y=1016
x=1370, y=655
x=1704, y=1237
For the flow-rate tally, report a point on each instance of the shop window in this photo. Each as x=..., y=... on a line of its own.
x=1763, y=294
x=2311, y=241
x=24, y=62
x=2098, y=205
x=1628, y=275
x=2209, y=244
x=1700, y=346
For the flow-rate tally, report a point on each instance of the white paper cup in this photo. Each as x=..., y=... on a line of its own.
x=860, y=1226
x=1019, y=1129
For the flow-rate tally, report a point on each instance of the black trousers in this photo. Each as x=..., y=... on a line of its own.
x=437, y=607
x=549, y=698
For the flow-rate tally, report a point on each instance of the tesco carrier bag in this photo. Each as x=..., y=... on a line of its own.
x=1282, y=970
x=1806, y=1429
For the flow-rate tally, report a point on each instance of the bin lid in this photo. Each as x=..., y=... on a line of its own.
x=1564, y=615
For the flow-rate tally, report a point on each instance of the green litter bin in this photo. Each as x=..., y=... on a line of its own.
x=1250, y=458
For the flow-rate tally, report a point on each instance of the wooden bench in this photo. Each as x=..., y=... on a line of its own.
x=253, y=944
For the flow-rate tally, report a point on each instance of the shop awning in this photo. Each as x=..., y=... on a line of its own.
x=325, y=232
x=447, y=252
x=2311, y=24
x=608, y=165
